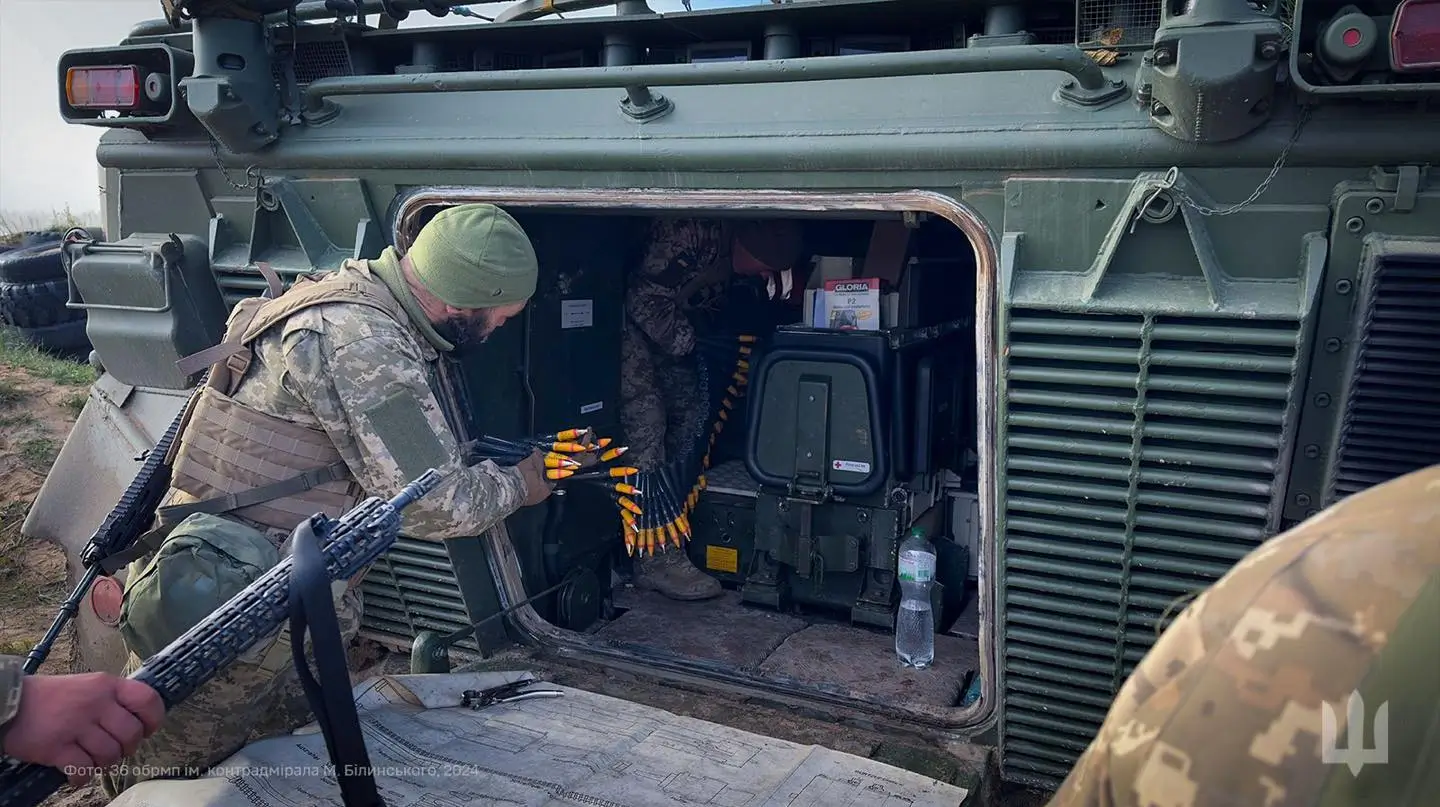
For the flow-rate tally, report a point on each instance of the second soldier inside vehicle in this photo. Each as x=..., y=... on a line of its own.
x=686, y=272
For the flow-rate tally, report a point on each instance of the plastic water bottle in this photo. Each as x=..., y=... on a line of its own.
x=915, y=622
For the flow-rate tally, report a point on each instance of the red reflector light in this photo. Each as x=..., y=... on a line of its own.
x=110, y=87
x=1415, y=36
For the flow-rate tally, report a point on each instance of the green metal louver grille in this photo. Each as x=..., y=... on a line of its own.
x=1140, y=458
x=412, y=588
x=1388, y=426
x=238, y=284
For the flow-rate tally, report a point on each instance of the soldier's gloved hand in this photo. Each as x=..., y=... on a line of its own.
x=587, y=459
x=537, y=487
x=78, y=723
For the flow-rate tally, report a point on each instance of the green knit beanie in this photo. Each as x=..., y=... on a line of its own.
x=475, y=256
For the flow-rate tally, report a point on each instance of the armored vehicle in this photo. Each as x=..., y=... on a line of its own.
x=1155, y=280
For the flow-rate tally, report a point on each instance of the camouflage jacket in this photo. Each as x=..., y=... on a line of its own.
x=681, y=257
x=337, y=367
x=11, y=674
x=1246, y=700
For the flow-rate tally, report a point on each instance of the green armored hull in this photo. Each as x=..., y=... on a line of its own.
x=1154, y=284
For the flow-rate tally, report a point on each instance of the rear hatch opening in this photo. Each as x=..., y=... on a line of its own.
x=806, y=617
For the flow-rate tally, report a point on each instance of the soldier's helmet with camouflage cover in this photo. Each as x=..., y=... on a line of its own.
x=1308, y=675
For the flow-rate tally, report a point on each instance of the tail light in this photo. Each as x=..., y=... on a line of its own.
x=1415, y=36
x=103, y=87
x=131, y=86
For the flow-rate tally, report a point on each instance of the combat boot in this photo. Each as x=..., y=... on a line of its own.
x=672, y=574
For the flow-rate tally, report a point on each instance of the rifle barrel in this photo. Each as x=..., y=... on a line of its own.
x=68, y=609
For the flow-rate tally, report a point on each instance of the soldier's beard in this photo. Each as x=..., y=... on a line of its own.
x=461, y=330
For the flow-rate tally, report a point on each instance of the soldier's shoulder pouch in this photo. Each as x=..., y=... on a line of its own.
x=203, y=562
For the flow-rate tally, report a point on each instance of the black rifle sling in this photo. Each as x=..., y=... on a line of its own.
x=312, y=606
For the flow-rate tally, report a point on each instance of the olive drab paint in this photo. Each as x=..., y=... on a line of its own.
x=1201, y=277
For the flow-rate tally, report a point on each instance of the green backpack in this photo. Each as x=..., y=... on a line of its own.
x=199, y=566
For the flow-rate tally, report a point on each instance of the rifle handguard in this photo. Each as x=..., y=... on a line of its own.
x=352, y=542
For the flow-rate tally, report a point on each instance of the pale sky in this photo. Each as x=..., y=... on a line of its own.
x=46, y=164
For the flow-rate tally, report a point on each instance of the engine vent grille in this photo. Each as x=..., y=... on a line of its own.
x=1116, y=24
x=238, y=284
x=1140, y=459
x=412, y=588
x=313, y=60
x=1393, y=400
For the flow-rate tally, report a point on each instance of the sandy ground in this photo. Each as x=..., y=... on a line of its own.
x=35, y=417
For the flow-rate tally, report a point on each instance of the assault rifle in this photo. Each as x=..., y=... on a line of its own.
x=130, y=517
x=345, y=546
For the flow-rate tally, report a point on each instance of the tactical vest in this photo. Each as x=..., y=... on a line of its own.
x=235, y=459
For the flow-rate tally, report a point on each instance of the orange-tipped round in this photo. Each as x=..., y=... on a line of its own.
x=569, y=448
x=626, y=503
x=613, y=453
x=558, y=473
x=621, y=487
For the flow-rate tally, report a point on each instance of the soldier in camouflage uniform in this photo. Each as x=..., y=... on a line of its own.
x=338, y=374
x=682, y=278
x=1229, y=706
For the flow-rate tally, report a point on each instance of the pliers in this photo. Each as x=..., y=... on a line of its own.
x=505, y=693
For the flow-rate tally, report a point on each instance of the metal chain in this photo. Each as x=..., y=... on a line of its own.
x=253, y=172
x=1168, y=182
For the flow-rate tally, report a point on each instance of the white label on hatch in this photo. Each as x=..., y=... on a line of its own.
x=577, y=313
x=593, y=407
x=852, y=466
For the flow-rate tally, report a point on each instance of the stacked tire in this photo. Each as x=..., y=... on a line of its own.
x=33, y=293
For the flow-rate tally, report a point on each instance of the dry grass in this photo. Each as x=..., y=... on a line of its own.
x=16, y=352
x=74, y=403
x=10, y=394
x=15, y=588
x=13, y=223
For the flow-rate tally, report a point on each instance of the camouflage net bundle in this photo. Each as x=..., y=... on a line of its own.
x=672, y=490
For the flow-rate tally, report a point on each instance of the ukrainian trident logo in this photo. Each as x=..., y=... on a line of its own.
x=1354, y=755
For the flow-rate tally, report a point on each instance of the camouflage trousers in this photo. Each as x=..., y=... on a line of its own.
x=260, y=693
x=659, y=400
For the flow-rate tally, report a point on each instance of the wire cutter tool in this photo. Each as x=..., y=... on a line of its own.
x=505, y=693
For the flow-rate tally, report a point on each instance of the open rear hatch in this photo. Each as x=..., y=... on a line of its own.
x=828, y=447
